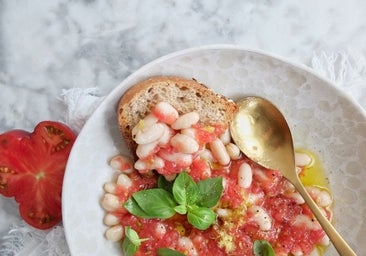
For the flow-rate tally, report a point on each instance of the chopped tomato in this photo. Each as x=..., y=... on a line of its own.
x=208, y=133
x=32, y=167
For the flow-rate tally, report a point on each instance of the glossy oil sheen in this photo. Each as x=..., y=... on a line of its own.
x=314, y=173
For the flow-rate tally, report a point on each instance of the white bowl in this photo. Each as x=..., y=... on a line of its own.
x=321, y=117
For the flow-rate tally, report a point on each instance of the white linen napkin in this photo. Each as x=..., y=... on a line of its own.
x=24, y=240
x=345, y=68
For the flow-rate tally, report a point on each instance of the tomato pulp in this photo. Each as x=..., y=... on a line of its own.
x=292, y=226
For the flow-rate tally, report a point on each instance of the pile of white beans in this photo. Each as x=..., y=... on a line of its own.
x=164, y=126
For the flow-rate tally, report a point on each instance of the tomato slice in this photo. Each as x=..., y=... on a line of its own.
x=32, y=167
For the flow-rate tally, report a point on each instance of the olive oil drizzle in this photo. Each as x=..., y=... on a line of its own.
x=313, y=174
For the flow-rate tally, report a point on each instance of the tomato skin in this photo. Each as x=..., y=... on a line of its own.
x=32, y=167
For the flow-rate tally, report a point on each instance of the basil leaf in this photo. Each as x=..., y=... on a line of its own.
x=201, y=217
x=262, y=248
x=210, y=191
x=185, y=190
x=168, y=252
x=132, y=206
x=128, y=248
x=132, y=236
x=155, y=202
x=181, y=209
x=131, y=242
x=165, y=184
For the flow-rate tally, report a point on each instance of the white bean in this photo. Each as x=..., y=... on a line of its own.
x=110, y=219
x=167, y=134
x=225, y=137
x=110, y=202
x=297, y=197
x=184, y=143
x=302, y=159
x=219, y=152
x=324, y=199
x=188, y=245
x=186, y=120
x=245, y=175
x=320, y=196
x=149, y=134
x=165, y=112
x=191, y=132
x=160, y=230
x=110, y=187
x=114, y=233
x=143, y=165
x=149, y=120
x=261, y=217
x=304, y=220
x=144, y=123
x=207, y=155
x=145, y=150
x=223, y=212
x=121, y=163
x=325, y=241
x=181, y=159
x=124, y=181
x=233, y=151
x=158, y=163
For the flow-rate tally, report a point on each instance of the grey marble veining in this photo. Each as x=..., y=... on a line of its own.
x=46, y=46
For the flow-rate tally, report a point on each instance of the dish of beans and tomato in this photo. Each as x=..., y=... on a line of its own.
x=253, y=203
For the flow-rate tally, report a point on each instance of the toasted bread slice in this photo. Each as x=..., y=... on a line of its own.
x=184, y=94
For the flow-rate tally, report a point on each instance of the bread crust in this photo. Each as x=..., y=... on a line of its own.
x=185, y=95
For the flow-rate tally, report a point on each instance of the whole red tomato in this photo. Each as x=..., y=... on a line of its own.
x=32, y=167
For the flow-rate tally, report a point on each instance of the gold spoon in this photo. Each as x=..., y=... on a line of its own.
x=262, y=134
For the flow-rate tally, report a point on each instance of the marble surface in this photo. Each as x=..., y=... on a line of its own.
x=47, y=46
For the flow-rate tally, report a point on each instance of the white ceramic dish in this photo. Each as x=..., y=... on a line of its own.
x=321, y=117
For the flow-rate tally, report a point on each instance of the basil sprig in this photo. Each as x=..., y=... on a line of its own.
x=131, y=242
x=262, y=248
x=183, y=196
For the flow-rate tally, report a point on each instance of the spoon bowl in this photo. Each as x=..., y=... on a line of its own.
x=261, y=132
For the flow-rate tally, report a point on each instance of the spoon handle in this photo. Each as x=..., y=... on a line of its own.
x=339, y=243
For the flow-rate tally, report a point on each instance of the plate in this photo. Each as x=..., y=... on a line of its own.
x=321, y=118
